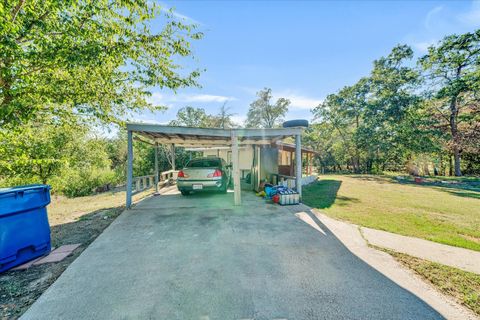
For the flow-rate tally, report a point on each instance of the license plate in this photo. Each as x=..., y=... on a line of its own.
x=197, y=187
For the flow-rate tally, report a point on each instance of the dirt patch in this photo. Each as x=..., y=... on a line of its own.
x=20, y=289
x=471, y=238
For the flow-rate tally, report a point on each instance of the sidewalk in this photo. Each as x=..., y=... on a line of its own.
x=460, y=258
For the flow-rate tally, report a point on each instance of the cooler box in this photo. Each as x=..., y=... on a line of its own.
x=24, y=228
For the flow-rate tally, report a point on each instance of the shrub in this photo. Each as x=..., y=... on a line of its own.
x=83, y=182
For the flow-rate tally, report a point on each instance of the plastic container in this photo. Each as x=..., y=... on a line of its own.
x=24, y=228
x=289, y=197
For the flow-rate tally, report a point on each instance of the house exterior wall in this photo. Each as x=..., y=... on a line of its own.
x=245, y=156
x=268, y=162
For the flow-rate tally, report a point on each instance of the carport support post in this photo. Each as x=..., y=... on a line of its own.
x=298, y=164
x=129, y=168
x=156, y=167
x=172, y=149
x=236, y=170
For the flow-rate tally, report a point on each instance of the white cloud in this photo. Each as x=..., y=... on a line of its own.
x=471, y=17
x=423, y=46
x=298, y=101
x=202, y=98
x=441, y=21
x=183, y=17
x=156, y=98
x=178, y=15
x=167, y=100
x=430, y=17
x=239, y=119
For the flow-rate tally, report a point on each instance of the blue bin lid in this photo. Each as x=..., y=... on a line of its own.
x=23, y=198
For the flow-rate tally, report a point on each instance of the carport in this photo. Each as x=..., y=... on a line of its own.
x=188, y=137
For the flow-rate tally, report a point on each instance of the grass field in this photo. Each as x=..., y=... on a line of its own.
x=443, y=211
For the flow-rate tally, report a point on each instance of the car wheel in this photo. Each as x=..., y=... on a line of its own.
x=185, y=193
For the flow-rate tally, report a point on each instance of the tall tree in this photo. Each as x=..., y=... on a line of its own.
x=264, y=114
x=374, y=121
x=97, y=58
x=191, y=117
x=344, y=112
x=391, y=102
x=452, y=68
x=224, y=118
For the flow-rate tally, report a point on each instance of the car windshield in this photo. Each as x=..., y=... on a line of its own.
x=204, y=163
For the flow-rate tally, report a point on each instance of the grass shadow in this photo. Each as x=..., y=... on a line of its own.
x=464, y=194
x=467, y=188
x=324, y=193
x=378, y=179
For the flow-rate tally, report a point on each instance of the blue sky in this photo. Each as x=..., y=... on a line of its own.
x=302, y=50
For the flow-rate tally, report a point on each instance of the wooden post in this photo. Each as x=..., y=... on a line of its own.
x=137, y=185
x=309, y=161
x=156, y=167
x=236, y=170
x=129, y=169
x=298, y=164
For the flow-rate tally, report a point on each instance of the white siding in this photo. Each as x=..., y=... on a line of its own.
x=245, y=156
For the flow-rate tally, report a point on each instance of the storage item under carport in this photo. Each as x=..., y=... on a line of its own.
x=288, y=197
x=24, y=228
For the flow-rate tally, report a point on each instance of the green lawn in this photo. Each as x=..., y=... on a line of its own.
x=443, y=212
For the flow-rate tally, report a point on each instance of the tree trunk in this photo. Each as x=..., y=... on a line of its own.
x=456, y=156
x=450, y=165
x=454, y=132
x=441, y=165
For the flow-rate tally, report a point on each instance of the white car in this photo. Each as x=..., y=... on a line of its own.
x=204, y=174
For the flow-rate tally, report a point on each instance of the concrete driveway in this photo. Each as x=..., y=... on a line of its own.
x=199, y=257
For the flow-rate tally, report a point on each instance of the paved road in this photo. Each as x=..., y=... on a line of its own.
x=199, y=257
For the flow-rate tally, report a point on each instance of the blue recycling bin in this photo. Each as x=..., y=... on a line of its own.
x=24, y=228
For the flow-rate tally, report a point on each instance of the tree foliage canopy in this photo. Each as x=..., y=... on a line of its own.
x=401, y=113
x=197, y=117
x=264, y=114
x=453, y=76
x=96, y=58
